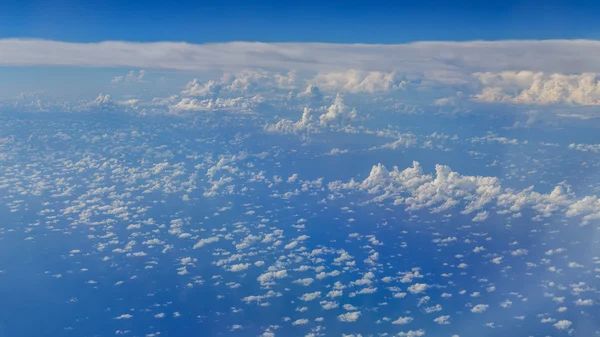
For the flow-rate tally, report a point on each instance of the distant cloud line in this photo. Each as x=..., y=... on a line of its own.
x=553, y=56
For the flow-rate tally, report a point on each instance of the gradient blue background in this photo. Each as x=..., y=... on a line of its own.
x=343, y=21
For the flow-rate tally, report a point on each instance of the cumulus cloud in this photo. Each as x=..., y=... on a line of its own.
x=239, y=267
x=446, y=189
x=563, y=324
x=101, y=103
x=211, y=104
x=286, y=126
x=124, y=316
x=403, y=320
x=479, y=308
x=310, y=296
x=442, y=320
x=349, y=316
x=356, y=81
x=338, y=112
x=197, y=88
x=130, y=77
x=418, y=288
x=527, y=87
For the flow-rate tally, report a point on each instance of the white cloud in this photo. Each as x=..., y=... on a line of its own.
x=479, y=308
x=203, y=242
x=527, y=87
x=440, y=59
x=211, y=104
x=310, y=296
x=286, y=126
x=268, y=277
x=519, y=252
x=328, y=305
x=305, y=281
x=130, y=77
x=338, y=112
x=124, y=316
x=301, y=321
x=581, y=302
x=447, y=189
x=412, y=333
x=101, y=103
x=481, y=216
x=349, y=316
x=355, y=81
x=418, y=288
x=563, y=325
x=239, y=267
x=442, y=320
x=196, y=88
x=403, y=320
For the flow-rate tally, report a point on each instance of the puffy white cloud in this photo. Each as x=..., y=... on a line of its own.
x=519, y=252
x=211, y=104
x=481, y=216
x=442, y=320
x=327, y=305
x=585, y=147
x=355, y=81
x=581, y=302
x=335, y=293
x=311, y=91
x=351, y=316
x=338, y=113
x=441, y=192
x=239, y=267
x=527, y=87
x=479, y=308
x=563, y=325
x=305, y=281
x=403, y=320
x=285, y=126
x=497, y=260
x=407, y=140
x=447, y=189
x=301, y=321
x=196, y=88
x=124, y=316
x=268, y=277
x=589, y=207
x=101, y=103
x=310, y=296
x=418, y=288
x=130, y=77
x=203, y=242
x=412, y=333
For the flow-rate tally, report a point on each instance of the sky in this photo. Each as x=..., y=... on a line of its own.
x=353, y=169
x=306, y=21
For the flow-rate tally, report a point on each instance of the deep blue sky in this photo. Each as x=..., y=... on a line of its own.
x=342, y=21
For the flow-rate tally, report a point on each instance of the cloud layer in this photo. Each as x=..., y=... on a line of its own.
x=445, y=59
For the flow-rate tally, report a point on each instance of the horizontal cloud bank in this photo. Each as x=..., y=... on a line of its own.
x=553, y=56
x=515, y=72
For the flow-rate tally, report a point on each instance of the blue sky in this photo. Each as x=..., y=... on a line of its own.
x=330, y=21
